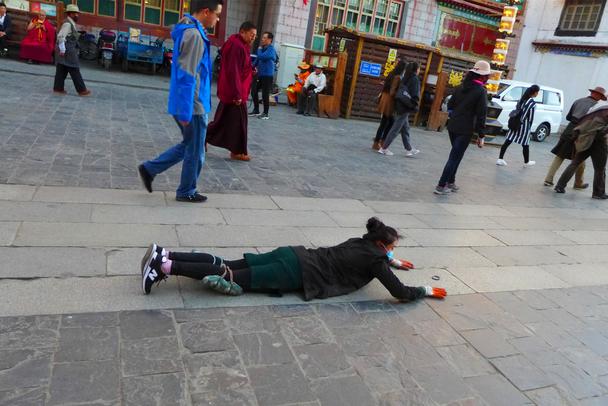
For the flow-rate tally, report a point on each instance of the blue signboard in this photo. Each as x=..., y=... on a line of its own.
x=371, y=69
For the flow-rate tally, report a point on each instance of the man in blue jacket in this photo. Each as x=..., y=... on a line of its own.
x=189, y=99
x=265, y=65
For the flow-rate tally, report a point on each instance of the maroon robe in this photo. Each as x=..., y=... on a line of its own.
x=229, y=127
x=39, y=43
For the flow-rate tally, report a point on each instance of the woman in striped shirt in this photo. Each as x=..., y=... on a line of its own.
x=521, y=136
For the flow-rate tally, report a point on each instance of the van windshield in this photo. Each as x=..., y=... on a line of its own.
x=501, y=88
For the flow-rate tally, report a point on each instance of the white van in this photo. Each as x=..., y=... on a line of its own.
x=549, y=107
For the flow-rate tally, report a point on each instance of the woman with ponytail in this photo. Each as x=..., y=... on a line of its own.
x=521, y=135
x=315, y=273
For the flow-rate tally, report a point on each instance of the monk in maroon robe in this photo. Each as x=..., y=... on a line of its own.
x=229, y=127
x=39, y=43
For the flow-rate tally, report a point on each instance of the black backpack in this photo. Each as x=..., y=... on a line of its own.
x=515, y=119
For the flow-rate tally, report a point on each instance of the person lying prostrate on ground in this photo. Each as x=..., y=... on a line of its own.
x=316, y=273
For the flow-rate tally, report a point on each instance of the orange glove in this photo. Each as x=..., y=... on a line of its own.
x=438, y=293
x=402, y=264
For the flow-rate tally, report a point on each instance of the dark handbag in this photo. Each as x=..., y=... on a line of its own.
x=404, y=97
x=515, y=120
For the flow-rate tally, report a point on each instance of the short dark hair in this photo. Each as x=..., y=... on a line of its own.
x=199, y=5
x=2, y=5
x=247, y=26
x=269, y=35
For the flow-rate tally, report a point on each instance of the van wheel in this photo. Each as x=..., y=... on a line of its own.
x=542, y=132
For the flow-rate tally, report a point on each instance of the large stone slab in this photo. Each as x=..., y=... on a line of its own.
x=489, y=343
x=554, y=212
x=146, y=356
x=43, y=262
x=585, y=253
x=496, y=390
x=356, y=219
x=442, y=385
x=146, y=324
x=529, y=237
x=522, y=373
x=457, y=222
x=477, y=210
x=344, y=391
x=229, y=201
x=98, y=196
x=263, y=349
x=114, y=214
x=507, y=278
x=71, y=383
x=17, y=192
x=433, y=277
x=580, y=274
x=451, y=238
x=237, y=236
x=94, y=235
x=8, y=232
x=304, y=330
x=44, y=212
x=431, y=257
x=206, y=336
x=465, y=361
x=406, y=207
x=24, y=368
x=309, y=203
x=50, y=296
x=524, y=255
x=530, y=223
x=87, y=344
x=29, y=332
x=279, y=384
x=322, y=361
x=585, y=237
x=247, y=217
x=328, y=236
x=165, y=389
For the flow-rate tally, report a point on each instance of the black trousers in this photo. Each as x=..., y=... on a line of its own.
x=598, y=152
x=460, y=143
x=62, y=72
x=3, y=43
x=386, y=122
x=307, y=101
x=196, y=265
x=265, y=84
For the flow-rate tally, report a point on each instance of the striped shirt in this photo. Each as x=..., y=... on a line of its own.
x=522, y=134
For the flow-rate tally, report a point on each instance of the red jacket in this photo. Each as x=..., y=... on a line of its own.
x=235, y=71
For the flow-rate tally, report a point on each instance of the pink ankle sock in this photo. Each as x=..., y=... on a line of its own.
x=166, y=267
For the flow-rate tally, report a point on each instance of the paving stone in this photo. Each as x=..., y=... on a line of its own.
x=123, y=214
x=339, y=315
x=529, y=237
x=90, y=320
x=551, y=396
x=553, y=335
x=23, y=396
x=381, y=206
x=304, y=330
x=239, y=236
x=585, y=254
x=489, y=343
x=595, y=401
x=303, y=203
x=29, y=332
x=8, y=233
x=165, y=389
x=580, y=274
x=531, y=223
x=562, y=319
x=70, y=378
x=32, y=262
x=359, y=341
x=413, y=351
x=428, y=277
x=477, y=210
x=465, y=361
x=148, y=356
x=382, y=373
x=24, y=368
x=247, y=217
x=215, y=372
x=538, y=351
x=87, y=344
x=146, y=324
x=343, y=391
x=97, y=196
x=496, y=390
x=280, y=384
x=573, y=381
x=593, y=339
x=438, y=333
x=206, y=336
x=244, y=397
x=526, y=255
x=410, y=397
x=515, y=307
x=17, y=192
x=452, y=238
x=322, y=361
x=585, y=237
x=250, y=320
x=44, y=212
x=415, y=311
x=586, y=359
x=506, y=278
x=356, y=219
x=329, y=236
x=182, y=315
x=231, y=201
x=441, y=384
x=95, y=235
x=263, y=349
x=522, y=373
x=536, y=300
x=456, y=222
x=431, y=257
x=295, y=310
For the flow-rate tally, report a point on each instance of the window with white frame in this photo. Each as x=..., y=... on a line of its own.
x=581, y=17
x=381, y=17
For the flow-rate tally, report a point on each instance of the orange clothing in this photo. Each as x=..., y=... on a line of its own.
x=296, y=88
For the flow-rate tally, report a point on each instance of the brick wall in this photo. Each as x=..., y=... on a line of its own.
x=239, y=11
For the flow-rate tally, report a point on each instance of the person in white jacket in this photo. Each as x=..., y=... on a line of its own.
x=315, y=84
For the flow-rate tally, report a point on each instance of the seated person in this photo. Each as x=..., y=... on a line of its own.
x=315, y=84
x=5, y=29
x=39, y=43
x=294, y=90
x=315, y=273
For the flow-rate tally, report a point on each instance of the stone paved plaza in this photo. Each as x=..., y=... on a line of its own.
x=525, y=322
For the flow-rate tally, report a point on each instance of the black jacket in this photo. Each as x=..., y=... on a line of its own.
x=468, y=108
x=6, y=27
x=413, y=87
x=347, y=267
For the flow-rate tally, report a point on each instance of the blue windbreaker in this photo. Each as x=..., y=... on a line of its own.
x=265, y=62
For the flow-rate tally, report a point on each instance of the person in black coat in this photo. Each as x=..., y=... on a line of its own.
x=5, y=29
x=467, y=111
x=316, y=273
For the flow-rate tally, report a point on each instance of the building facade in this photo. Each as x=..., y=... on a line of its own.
x=565, y=45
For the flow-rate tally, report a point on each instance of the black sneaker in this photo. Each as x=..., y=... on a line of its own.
x=195, y=198
x=145, y=177
x=601, y=197
x=559, y=189
x=150, y=267
x=254, y=113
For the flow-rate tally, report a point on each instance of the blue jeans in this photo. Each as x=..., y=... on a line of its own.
x=191, y=150
x=460, y=143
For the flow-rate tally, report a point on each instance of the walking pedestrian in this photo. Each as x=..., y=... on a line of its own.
x=406, y=102
x=67, y=54
x=189, y=99
x=229, y=127
x=564, y=149
x=591, y=137
x=265, y=64
x=5, y=29
x=521, y=135
x=386, y=104
x=316, y=273
x=467, y=109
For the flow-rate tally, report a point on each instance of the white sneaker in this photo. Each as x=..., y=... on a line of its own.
x=412, y=152
x=530, y=163
x=501, y=162
x=385, y=152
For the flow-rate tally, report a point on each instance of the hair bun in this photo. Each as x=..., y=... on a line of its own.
x=374, y=224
